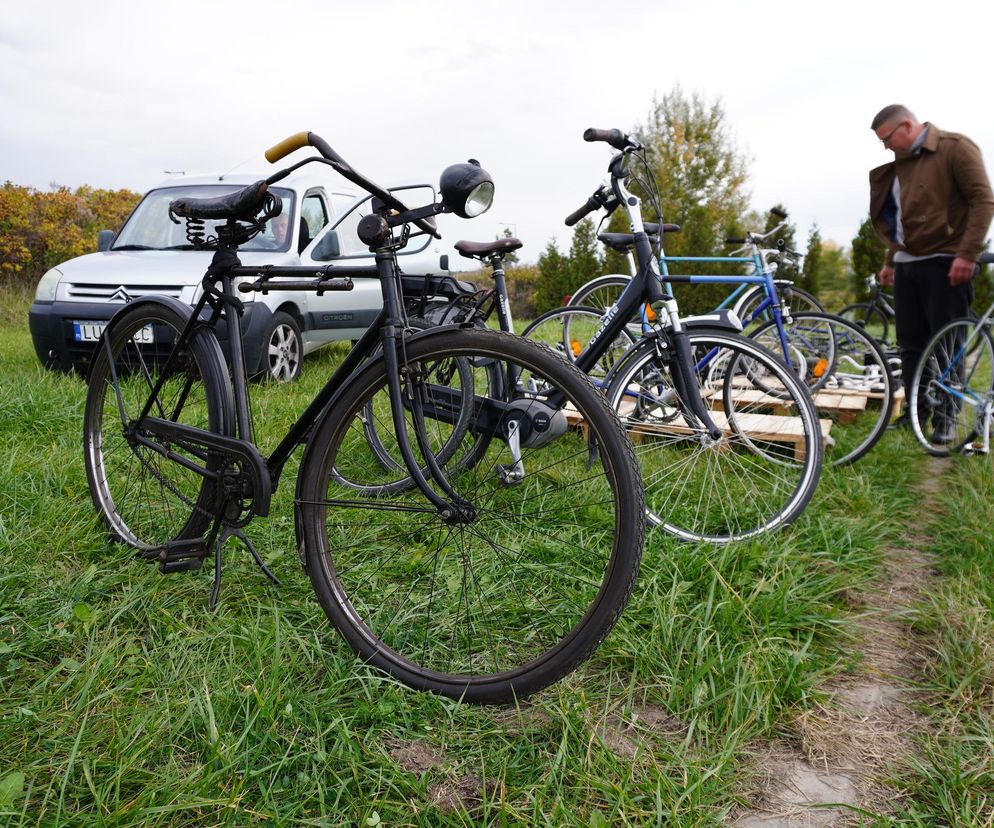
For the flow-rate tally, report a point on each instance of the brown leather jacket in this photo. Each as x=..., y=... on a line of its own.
x=946, y=199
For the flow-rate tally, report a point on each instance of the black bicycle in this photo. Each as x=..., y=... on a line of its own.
x=452, y=576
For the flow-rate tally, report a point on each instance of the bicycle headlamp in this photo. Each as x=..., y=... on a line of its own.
x=467, y=189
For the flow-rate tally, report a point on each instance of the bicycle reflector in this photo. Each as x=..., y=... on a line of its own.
x=467, y=189
x=819, y=369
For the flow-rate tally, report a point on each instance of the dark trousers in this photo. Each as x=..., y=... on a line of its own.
x=924, y=301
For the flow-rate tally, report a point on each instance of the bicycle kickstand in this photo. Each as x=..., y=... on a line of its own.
x=222, y=535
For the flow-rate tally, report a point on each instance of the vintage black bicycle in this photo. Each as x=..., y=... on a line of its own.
x=451, y=575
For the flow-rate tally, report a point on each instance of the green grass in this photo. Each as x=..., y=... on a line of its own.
x=125, y=702
x=955, y=775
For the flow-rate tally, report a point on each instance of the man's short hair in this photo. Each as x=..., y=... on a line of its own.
x=893, y=112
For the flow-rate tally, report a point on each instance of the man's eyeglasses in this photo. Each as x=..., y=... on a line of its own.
x=890, y=134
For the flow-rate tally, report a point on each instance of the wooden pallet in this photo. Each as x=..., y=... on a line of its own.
x=842, y=406
x=772, y=428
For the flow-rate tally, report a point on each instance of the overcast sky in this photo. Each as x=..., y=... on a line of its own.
x=113, y=94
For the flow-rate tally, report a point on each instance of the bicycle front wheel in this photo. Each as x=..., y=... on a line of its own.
x=758, y=476
x=150, y=491
x=515, y=591
x=952, y=387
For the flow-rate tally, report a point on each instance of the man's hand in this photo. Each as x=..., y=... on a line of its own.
x=886, y=276
x=961, y=271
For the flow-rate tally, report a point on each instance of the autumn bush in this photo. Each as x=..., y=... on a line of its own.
x=40, y=229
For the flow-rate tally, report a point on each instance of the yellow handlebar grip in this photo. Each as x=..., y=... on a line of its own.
x=286, y=146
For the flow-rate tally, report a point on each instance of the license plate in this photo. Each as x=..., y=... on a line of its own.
x=90, y=332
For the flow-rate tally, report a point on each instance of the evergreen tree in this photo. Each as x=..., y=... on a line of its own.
x=787, y=234
x=512, y=257
x=811, y=270
x=553, y=279
x=615, y=262
x=585, y=262
x=867, y=258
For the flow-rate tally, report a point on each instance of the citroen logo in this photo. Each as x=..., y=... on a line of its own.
x=120, y=295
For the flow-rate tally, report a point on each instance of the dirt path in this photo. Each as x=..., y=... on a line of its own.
x=836, y=753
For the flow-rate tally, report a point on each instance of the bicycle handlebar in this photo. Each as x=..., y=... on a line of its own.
x=342, y=167
x=615, y=137
x=579, y=213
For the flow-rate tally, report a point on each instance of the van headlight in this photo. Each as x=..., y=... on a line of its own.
x=48, y=285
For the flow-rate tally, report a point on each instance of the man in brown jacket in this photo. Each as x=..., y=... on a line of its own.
x=932, y=207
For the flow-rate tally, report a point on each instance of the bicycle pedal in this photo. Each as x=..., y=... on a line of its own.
x=183, y=565
x=182, y=555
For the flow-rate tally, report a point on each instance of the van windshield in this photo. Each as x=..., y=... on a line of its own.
x=150, y=228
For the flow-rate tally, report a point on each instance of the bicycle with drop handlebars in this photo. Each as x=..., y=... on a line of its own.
x=444, y=572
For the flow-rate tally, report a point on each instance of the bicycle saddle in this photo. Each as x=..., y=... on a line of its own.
x=622, y=241
x=473, y=250
x=241, y=204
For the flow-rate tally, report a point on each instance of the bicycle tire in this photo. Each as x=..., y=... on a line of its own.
x=452, y=444
x=144, y=498
x=499, y=608
x=953, y=381
x=851, y=381
x=797, y=299
x=757, y=477
x=601, y=292
x=869, y=317
x=569, y=329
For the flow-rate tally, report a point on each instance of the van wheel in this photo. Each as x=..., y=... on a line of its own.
x=283, y=349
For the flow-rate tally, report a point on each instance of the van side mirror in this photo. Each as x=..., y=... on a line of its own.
x=328, y=248
x=443, y=261
x=104, y=238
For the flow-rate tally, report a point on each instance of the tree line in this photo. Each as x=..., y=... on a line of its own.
x=39, y=229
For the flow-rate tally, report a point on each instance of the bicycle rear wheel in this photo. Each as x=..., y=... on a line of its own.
x=848, y=375
x=600, y=293
x=514, y=594
x=146, y=490
x=953, y=384
x=568, y=331
x=870, y=318
x=797, y=299
x=763, y=470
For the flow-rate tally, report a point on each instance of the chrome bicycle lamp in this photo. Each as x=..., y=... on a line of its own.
x=467, y=189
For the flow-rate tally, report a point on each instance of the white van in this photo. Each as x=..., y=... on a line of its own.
x=151, y=254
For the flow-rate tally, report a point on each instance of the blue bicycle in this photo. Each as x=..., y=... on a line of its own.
x=843, y=366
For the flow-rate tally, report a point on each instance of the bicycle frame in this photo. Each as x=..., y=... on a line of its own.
x=646, y=288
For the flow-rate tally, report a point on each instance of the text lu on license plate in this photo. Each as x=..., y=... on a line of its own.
x=90, y=332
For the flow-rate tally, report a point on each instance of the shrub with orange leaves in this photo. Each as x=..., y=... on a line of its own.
x=40, y=229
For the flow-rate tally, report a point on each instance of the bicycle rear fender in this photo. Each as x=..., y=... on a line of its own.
x=365, y=368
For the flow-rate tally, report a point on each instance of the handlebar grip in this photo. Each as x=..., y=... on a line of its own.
x=736, y=241
x=286, y=146
x=776, y=211
x=576, y=215
x=615, y=137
